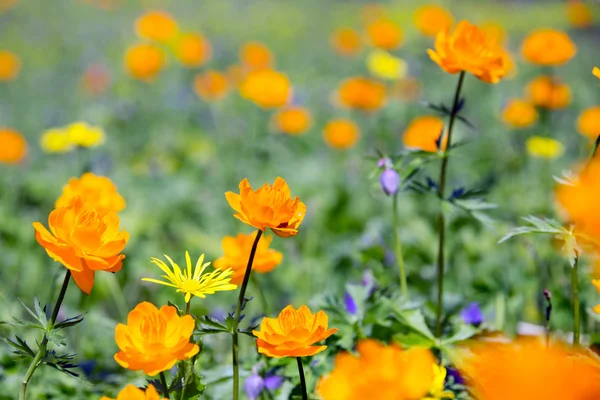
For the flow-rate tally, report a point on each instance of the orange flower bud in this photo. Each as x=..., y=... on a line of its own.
x=341, y=133
x=548, y=47
x=346, y=41
x=156, y=25
x=14, y=146
x=97, y=191
x=362, y=93
x=144, y=61
x=267, y=88
x=292, y=120
x=579, y=14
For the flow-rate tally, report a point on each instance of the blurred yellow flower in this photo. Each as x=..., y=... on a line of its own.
x=14, y=146
x=579, y=14
x=437, y=392
x=292, y=120
x=193, y=283
x=10, y=65
x=548, y=47
x=131, y=392
x=346, y=41
x=431, y=19
x=596, y=72
x=383, y=65
x=267, y=88
x=144, y=61
x=519, y=113
x=156, y=25
x=193, y=50
x=56, y=140
x=548, y=92
x=588, y=123
x=341, y=133
x=84, y=135
x=544, y=147
x=385, y=34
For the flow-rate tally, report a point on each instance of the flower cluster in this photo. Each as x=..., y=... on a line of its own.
x=70, y=137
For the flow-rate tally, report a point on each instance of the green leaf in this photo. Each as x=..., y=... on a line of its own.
x=537, y=225
x=39, y=314
x=208, y=326
x=186, y=383
x=414, y=320
x=413, y=339
x=464, y=332
x=69, y=322
x=20, y=345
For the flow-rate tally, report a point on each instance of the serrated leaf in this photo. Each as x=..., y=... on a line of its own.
x=464, y=332
x=69, y=322
x=56, y=337
x=41, y=318
x=414, y=320
x=187, y=384
x=209, y=325
x=537, y=225
x=20, y=344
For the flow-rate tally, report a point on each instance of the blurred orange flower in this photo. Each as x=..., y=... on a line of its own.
x=131, y=392
x=255, y=55
x=292, y=120
x=154, y=340
x=469, y=49
x=379, y=372
x=95, y=79
x=270, y=206
x=519, y=113
x=346, y=41
x=341, y=133
x=494, y=31
x=14, y=146
x=6, y=5
x=10, y=65
x=548, y=92
x=293, y=333
x=156, y=25
x=83, y=240
x=267, y=88
x=193, y=50
x=588, y=123
x=99, y=192
x=579, y=14
x=211, y=85
x=385, y=34
x=548, y=47
x=144, y=61
x=423, y=133
x=528, y=369
x=596, y=72
x=236, y=251
x=431, y=19
x=362, y=93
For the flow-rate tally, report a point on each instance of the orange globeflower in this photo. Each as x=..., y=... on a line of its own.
x=549, y=92
x=144, y=61
x=423, y=133
x=346, y=41
x=193, y=50
x=97, y=191
x=14, y=146
x=379, y=372
x=548, y=47
x=255, y=55
x=292, y=120
x=267, y=88
x=293, y=333
x=588, y=123
x=519, y=113
x=385, y=34
x=431, y=19
x=362, y=93
x=341, y=133
x=10, y=65
x=131, y=392
x=271, y=206
x=211, y=85
x=83, y=240
x=469, y=49
x=156, y=25
x=528, y=369
x=579, y=14
x=236, y=251
x=154, y=340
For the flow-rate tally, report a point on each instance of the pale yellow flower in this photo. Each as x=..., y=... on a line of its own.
x=543, y=147
x=383, y=65
x=84, y=135
x=437, y=391
x=55, y=141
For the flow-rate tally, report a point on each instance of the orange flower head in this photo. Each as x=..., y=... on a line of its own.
x=154, y=340
x=548, y=92
x=548, y=47
x=95, y=79
x=341, y=133
x=588, y=123
x=211, y=85
x=379, y=372
x=519, y=113
x=293, y=333
x=423, y=133
x=579, y=14
x=83, y=240
x=97, y=191
x=385, y=34
x=255, y=55
x=346, y=42
x=432, y=19
x=131, y=392
x=6, y=5
x=267, y=88
x=156, y=25
x=362, y=93
x=10, y=65
x=469, y=49
x=14, y=146
x=270, y=206
x=193, y=50
x=526, y=369
x=144, y=61
x=236, y=251
x=292, y=120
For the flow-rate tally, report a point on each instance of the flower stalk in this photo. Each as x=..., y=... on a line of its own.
x=576, y=306
x=163, y=382
x=302, y=378
x=398, y=248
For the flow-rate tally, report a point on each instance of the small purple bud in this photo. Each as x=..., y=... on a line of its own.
x=368, y=281
x=472, y=314
x=390, y=181
x=384, y=163
x=273, y=382
x=350, y=304
x=254, y=385
x=458, y=379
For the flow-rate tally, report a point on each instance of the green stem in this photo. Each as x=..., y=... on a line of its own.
x=441, y=219
x=187, y=307
x=398, y=249
x=163, y=381
x=41, y=353
x=236, y=319
x=302, y=378
x=576, y=307
x=261, y=294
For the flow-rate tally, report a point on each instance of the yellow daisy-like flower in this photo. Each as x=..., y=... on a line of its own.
x=383, y=65
x=437, y=391
x=193, y=283
x=544, y=147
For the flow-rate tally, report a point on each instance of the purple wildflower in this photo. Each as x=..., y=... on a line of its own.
x=472, y=314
